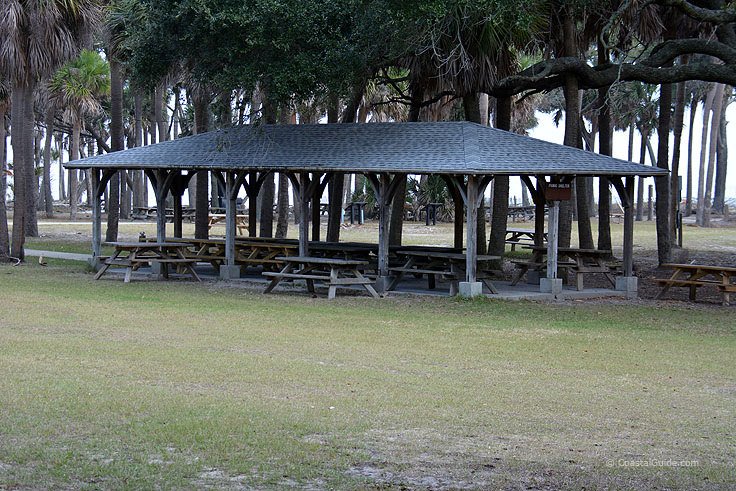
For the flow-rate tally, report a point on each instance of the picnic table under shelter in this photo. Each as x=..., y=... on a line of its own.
x=467, y=156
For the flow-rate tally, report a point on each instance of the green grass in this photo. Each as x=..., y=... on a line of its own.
x=182, y=385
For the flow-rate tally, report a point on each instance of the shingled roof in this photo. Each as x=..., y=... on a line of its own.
x=460, y=148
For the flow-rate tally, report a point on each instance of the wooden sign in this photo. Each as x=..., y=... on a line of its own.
x=557, y=191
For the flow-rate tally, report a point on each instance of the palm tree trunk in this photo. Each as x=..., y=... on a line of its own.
x=662, y=183
x=62, y=178
x=158, y=109
x=268, y=189
x=117, y=182
x=31, y=177
x=282, y=206
x=700, y=206
x=500, y=195
x=471, y=105
x=22, y=146
x=605, y=135
x=74, y=155
x=335, y=186
x=689, y=185
x=715, y=127
x=640, y=184
x=719, y=194
x=48, y=200
x=201, y=204
x=4, y=237
x=675, y=176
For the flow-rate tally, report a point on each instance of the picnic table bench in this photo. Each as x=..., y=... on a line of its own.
x=150, y=212
x=445, y=265
x=578, y=261
x=241, y=222
x=698, y=275
x=521, y=236
x=140, y=253
x=331, y=272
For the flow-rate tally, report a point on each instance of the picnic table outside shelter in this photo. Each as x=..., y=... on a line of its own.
x=695, y=276
x=133, y=255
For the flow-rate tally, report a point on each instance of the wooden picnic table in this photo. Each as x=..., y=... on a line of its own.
x=140, y=253
x=578, y=261
x=241, y=222
x=332, y=272
x=521, y=236
x=446, y=265
x=150, y=212
x=697, y=275
x=248, y=251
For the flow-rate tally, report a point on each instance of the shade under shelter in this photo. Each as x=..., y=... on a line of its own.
x=466, y=155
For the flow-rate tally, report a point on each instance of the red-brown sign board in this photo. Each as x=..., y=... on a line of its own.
x=558, y=191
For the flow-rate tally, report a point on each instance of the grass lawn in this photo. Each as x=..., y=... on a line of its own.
x=183, y=385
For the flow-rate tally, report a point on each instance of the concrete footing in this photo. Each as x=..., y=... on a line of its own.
x=94, y=263
x=229, y=272
x=628, y=284
x=550, y=285
x=156, y=269
x=382, y=283
x=470, y=289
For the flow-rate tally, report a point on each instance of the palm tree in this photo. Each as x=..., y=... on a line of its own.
x=38, y=36
x=77, y=86
x=4, y=237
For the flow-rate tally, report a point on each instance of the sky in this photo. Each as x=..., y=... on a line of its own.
x=546, y=130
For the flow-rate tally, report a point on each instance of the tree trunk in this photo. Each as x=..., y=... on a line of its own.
x=700, y=205
x=21, y=140
x=689, y=185
x=335, y=186
x=471, y=105
x=159, y=108
x=572, y=123
x=117, y=183
x=201, y=204
x=500, y=195
x=719, y=194
x=715, y=126
x=605, y=136
x=662, y=183
x=4, y=237
x=62, y=178
x=48, y=199
x=674, y=177
x=74, y=155
x=282, y=221
x=268, y=189
x=32, y=178
x=139, y=179
x=396, y=222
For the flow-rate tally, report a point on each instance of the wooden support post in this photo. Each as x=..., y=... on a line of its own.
x=316, y=199
x=304, y=215
x=384, y=221
x=629, y=228
x=471, y=242
x=553, y=235
x=162, y=182
x=178, y=219
x=252, y=205
x=231, y=195
x=96, y=213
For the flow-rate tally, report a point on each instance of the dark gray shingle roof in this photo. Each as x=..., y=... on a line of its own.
x=413, y=148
